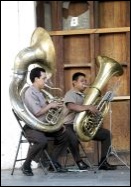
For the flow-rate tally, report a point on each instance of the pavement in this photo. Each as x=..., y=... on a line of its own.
x=74, y=177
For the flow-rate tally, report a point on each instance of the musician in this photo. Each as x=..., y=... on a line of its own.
x=36, y=103
x=74, y=103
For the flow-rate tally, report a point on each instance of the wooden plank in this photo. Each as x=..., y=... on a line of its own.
x=91, y=14
x=128, y=60
x=96, y=14
x=113, y=14
x=118, y=121
x=56, y=11
x=90, y=31
x=110, y=46
x=56, y=14
x=77, y=49
x=92, y=42
x=96, y=36
x=58, y=78
x=106, y=13
x=96, y=25
x=40, y=13
x=128, y=14
x=77, y=65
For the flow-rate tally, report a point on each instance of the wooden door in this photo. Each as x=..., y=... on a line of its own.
x=81, y=31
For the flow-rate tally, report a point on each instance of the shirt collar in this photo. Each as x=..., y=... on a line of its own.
x=34, y=89
x=79, y=93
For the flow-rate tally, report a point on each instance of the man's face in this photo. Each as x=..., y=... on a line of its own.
x=80, y=84
x=41, y=80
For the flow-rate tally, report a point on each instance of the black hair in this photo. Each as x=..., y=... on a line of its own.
x=76, y=76
x=36, y=72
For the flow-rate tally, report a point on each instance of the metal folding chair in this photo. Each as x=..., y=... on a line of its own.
x=23, y=139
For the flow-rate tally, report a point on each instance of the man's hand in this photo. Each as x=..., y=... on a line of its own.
x=92, y=109
x=55, y=105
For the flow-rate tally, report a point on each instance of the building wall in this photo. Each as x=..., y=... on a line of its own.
x=18, y=24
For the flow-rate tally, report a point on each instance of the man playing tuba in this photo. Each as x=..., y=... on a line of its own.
x=74, y=104
x=36, y=103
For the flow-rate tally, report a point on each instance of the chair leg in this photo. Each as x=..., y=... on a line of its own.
x=50, y=160
x=45, y=163
x=85, y=155
x=44, y=168
x=68, y=151
x=16, y=154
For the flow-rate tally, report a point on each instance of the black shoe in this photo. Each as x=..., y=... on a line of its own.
x=82, y=165
x=107, y=166
x=58, y=167
x=27, y=170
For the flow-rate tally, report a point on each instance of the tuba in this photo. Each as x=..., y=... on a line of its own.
x=42, y=52
x=86, y=124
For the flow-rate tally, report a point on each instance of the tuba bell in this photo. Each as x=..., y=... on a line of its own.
x=86, y=124
x=42, y=52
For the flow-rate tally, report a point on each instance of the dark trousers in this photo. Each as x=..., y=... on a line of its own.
x=73, y=142
x=40, y=141
x=102, y=135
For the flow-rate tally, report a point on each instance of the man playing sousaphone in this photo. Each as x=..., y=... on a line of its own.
x=37, y=105
x=29, y=104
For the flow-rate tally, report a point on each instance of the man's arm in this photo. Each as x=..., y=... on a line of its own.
x=81, y=108
x=45, y=109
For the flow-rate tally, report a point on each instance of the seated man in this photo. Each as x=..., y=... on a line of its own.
x=74, y=103
x=36, y=103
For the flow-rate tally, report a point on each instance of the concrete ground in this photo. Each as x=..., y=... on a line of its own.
x=119, y=177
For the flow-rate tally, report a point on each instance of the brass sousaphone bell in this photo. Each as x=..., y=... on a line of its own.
x=41, y=52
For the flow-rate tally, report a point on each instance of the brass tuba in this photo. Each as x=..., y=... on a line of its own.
x=42, y=52
x=86, y=124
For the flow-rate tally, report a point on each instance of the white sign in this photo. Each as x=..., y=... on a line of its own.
x=74, y=21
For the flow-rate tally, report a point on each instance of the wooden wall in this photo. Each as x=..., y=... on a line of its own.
x=77, y=49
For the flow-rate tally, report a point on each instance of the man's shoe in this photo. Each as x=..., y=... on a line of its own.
x=58, y=167
x=27, y=170
x=107, y=166
x=82, y=165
